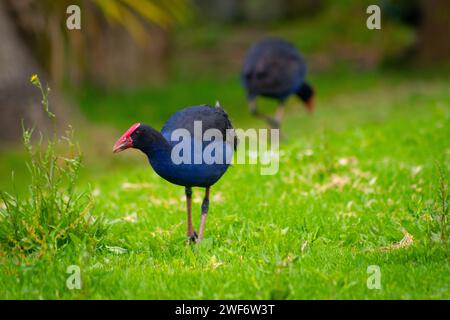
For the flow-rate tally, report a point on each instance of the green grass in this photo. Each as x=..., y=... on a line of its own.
x=354, y=178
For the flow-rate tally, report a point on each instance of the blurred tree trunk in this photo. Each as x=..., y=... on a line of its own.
x=433, y=42
x=120, y=43
x=19, y=100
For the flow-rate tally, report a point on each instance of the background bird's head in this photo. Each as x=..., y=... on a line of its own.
x=306, y=94
x=138, y=136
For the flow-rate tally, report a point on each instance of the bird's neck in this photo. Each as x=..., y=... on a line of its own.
x=155, y=145
x=158, y=151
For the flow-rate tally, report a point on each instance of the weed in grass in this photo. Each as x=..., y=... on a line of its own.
x=441, y=212
x=54, y=213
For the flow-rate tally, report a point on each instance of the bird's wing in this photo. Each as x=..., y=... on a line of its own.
x=211, y=118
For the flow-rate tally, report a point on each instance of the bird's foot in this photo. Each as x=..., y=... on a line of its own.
x=192, y=239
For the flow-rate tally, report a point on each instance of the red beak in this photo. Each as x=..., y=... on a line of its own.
x=122, y=144
x=125, y=140
x=310, y=105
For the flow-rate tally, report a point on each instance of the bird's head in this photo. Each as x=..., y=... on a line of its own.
x=306, y=94
x=138, y=136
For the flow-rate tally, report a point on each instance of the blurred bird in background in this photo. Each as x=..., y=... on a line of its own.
x=274, y=68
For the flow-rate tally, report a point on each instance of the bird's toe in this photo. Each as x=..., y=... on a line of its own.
x=193, y=238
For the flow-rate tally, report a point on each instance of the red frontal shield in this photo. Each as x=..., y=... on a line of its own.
x=125, y=140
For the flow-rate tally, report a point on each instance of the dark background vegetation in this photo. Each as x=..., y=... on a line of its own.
x=125, y=45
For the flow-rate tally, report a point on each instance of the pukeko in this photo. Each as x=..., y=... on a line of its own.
x=160, y=150
x=274, y=68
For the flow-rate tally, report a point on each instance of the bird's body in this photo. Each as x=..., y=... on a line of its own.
x=191, y=174
x=187, y=175
x=194, y=165
x=274, y=68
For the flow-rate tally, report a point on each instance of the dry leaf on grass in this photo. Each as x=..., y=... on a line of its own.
x=304, y=245
x=406, y=241
x=214, y=263
x=131, y=218
x=347, y=161
x=415, y=170
x=135, y=186
x=336, y=181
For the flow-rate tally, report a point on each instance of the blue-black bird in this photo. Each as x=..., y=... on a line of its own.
x=205, y=158
x=274, y=68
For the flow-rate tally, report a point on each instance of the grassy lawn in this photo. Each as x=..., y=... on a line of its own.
x=355, y=178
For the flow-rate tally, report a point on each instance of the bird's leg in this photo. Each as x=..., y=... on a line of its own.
x=252, y=107
x=273, y=122
x=190, y=228
x=205, y=206
x=279, y=113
